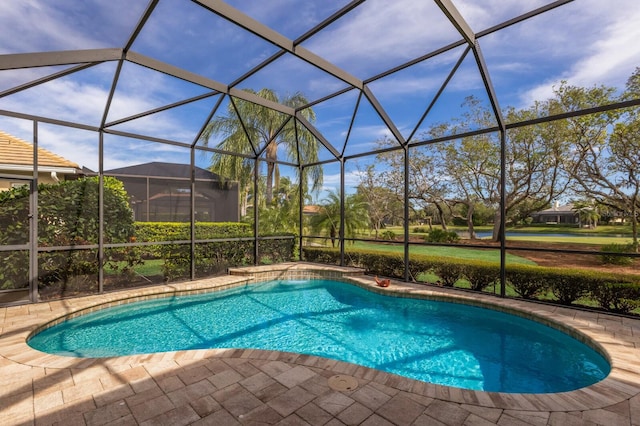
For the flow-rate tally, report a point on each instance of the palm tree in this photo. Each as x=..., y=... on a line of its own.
x=282, y=214
x=327, y=221
x=248, y=128
x=587, y=213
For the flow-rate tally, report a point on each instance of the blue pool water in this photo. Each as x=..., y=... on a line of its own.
x=438, y=342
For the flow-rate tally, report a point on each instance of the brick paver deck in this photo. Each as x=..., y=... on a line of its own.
x=251, y=387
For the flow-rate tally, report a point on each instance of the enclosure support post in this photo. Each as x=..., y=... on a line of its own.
x=192, y=198
x=255, y=212
x=503, y=212
x=341, y=230
x=407, y=275
x=300, y=209
x=100, y=212
x=33, y=222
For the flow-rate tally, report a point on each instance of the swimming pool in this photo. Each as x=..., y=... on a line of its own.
x=438, y=342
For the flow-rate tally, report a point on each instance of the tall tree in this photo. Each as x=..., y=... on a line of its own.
x=534, y=163
x=587, y=213
x=606, y=148
x=327, y=220
x=383, y=205
x=246, y=128
x=428, y=184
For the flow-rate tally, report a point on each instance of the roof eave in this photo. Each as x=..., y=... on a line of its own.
x=41, y=169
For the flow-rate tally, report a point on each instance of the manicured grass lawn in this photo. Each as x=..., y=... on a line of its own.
x=149, y=268
x=573, y=240
x=550, y=229
x=605, y=234
x=489, y=255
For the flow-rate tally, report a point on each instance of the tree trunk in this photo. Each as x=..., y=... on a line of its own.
x=443, y=222
x=332, y=235
x=634, y=225
x=271, y=155
x=269, y=192
x=497, y=219
x=244, y=200
x=472, y=233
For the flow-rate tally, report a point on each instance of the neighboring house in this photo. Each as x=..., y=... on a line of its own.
x=161, y=192
x=564, y=214
x=311, y=210
x=16, y=160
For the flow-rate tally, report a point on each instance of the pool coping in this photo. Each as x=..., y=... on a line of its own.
x=618, y=338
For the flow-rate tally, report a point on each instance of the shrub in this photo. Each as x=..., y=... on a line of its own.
x=215, y=257
x=388, y=235
x=449, y=272
x=613, y=259
x=277, y=250
x=419, y=264
x=420, y=230
x=567, y=286
x=527, y=281
x=441, y=236
x=181, y=231
x=327, y=256
x=211, y=257
x=68, y=215
x=613, y=292
x=14, y=222
x=481, y=274
x=616, y=297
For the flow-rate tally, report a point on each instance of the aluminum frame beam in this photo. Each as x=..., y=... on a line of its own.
x=14, y=61
x=457, y=20
x=232, y=14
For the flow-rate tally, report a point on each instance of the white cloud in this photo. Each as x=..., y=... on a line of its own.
x=614, y=55
x=585, y=42
x=591, y=42
x=379, y=34
x=331, y=182
x=482, y=15
x=42, y=25
x=408, y=85
x=51, y=33
x=81, y=146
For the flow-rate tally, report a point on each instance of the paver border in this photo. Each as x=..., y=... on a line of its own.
x=617, y=338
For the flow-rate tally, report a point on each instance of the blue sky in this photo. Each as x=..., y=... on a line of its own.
x=585, y=42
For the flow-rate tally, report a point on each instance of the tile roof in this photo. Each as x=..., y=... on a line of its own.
x=566, y=208
x=15, y=151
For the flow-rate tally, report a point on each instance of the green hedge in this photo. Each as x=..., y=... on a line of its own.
x=210, y=257
x=619, y=297
x=213, y=258
x=68, y=215
x=613, y=292
x=177, y=231
x=528, y=281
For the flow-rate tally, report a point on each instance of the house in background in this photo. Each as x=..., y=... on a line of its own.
x=16, y=161
x=161, y=192
x=557, y=214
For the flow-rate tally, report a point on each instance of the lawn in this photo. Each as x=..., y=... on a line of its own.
x=149, y=268
x=488, y=255
x=610, y=230
x=591, y=240
x=605, y=234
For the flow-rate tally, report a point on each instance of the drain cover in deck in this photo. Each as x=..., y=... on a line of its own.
x=341, y=382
